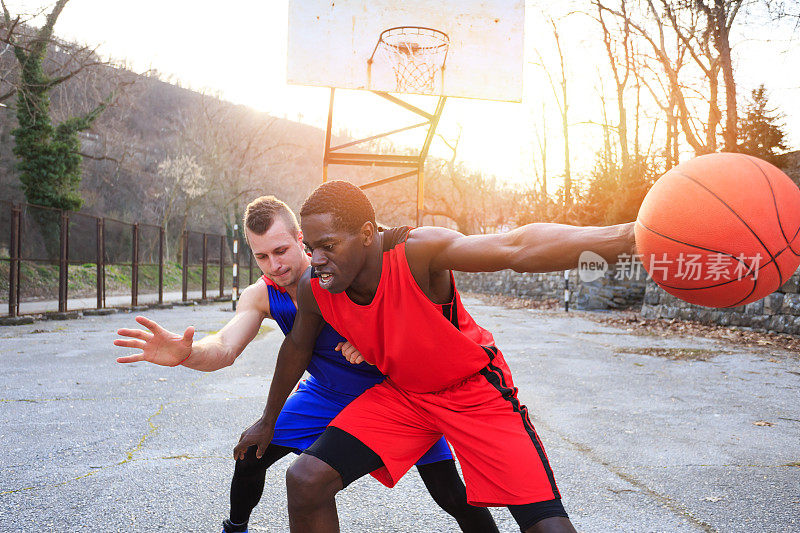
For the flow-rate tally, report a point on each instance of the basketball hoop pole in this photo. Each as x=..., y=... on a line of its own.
x=423, y=154
x=327, y=140
x=415, y=164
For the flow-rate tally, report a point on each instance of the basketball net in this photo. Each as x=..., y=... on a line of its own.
x=415, y=54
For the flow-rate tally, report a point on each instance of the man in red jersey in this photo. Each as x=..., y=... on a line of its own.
x=392, y=295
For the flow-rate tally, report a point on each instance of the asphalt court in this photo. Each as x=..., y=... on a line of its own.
x=638, y=442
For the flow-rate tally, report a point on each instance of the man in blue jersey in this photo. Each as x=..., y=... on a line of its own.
x=277, y=244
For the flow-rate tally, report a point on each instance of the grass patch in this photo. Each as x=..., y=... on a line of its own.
x=674, y=354
x=39, y=281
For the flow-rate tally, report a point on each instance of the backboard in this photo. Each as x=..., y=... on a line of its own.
x=461, y=48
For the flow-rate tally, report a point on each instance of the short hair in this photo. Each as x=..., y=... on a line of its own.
x=347, y=203
x=260, y=214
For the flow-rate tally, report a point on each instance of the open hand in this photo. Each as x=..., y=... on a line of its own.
x=158, y=346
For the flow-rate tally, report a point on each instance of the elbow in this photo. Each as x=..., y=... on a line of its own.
x=518, y=261
x=537, y=258
x=230, y=358
x=517, y=254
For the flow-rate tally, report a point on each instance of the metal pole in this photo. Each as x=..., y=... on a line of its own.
x=205, y=264
x=161, y=265
x=185, y=266
x=327, y=139
x=235, y=268
x=420, y=195
x=99, y=262
x=423, y=154
x=63, y=260
x=13, y=264
x=221, y=266
x=135, y=267
x=566, y=291
x=103, y=258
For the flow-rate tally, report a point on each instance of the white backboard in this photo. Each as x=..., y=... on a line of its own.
x=469, y=48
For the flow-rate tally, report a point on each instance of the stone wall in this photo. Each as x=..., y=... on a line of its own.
x=779, y=312
x=604, y=293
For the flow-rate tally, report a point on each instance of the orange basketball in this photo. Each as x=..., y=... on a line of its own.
x=721, y=230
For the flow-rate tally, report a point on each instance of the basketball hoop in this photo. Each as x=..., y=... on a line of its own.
x=415, y=54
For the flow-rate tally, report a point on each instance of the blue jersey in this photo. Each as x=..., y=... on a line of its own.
x=327, y=367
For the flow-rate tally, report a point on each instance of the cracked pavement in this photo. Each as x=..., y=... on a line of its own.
x=639, y=440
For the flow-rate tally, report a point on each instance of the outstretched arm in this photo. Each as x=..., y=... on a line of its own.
x=532, y=248
x=293, y=358
x=163, y=347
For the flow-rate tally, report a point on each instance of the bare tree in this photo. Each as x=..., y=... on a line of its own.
x=701, y=31
x=559, y=89
x=64, y=60
x=621, y=70
x=541, y=142
x=238, y=151
x=720, y=15
x=182, y=176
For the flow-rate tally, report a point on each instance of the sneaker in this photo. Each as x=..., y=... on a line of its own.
x=229, y=527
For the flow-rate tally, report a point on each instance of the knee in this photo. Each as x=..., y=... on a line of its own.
x=450, y=499
x=310, y=481
x=249, y=462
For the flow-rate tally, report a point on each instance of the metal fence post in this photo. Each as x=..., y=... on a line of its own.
x=135, y=266
x=205, y=265
x=235, y=267
x=100, y=263
x=161, y=265
x=13, y=264
x=63, y=260
x=221, y=266
x=249, y=266
x=103, y=255
x=185, y=266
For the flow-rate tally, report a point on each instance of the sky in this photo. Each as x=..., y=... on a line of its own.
x=238, y=49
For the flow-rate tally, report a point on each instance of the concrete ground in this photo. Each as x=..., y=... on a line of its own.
x=645, y=433
x=120, y=300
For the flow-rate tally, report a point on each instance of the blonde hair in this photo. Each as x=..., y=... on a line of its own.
x=260, y=214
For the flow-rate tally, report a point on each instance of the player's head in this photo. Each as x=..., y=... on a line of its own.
x=275, y=239
x=339, y=225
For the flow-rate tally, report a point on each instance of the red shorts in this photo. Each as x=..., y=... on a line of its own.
x=501, y=456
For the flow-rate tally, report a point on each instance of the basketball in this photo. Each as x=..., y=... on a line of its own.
x=720, y=230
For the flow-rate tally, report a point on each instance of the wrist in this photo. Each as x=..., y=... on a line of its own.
x=185, y=358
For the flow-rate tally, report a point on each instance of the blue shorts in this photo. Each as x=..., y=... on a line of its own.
x=309, y=410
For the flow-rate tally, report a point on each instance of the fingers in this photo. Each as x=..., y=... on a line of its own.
x=188, y=335
x=135, y=333
x=149, y=324
x=260, y=450
x=339, y=346
x=126, y=343
x=131, y=358
x=351, y=354
x=241, y=447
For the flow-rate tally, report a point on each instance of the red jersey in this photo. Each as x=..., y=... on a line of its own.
x=420, y=345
